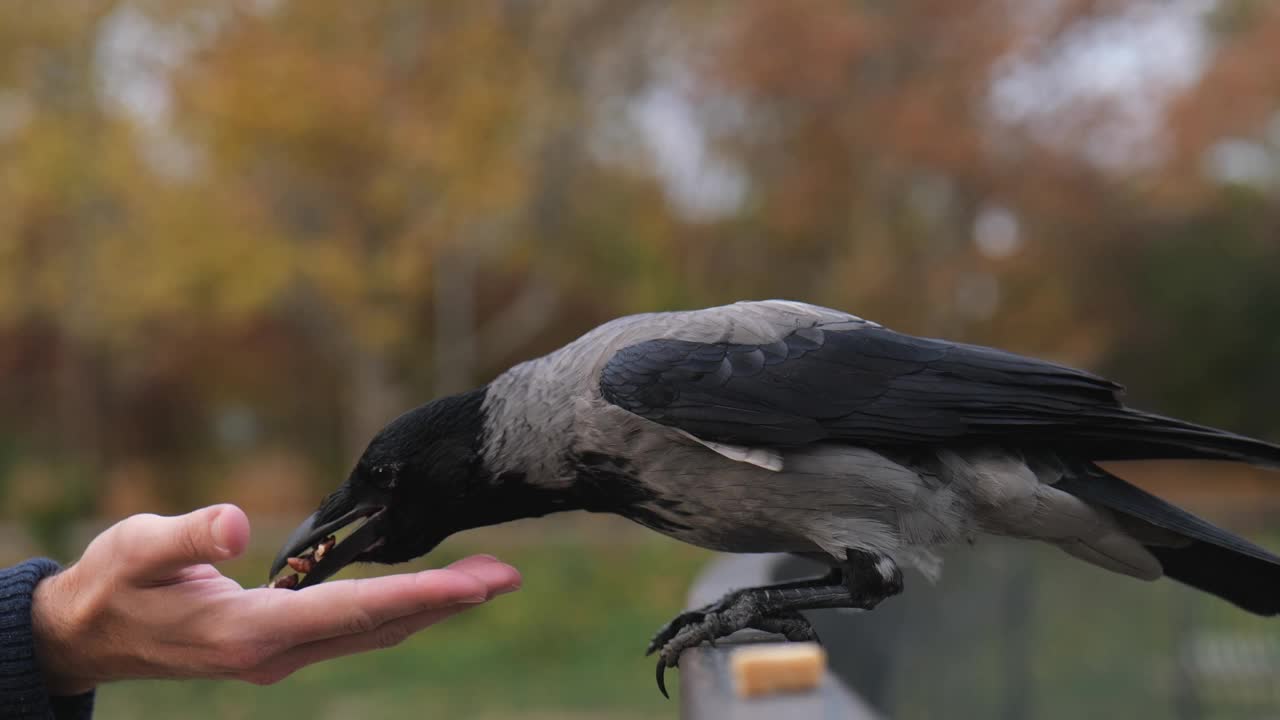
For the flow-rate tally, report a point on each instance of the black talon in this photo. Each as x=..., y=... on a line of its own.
x=662, y=682
x=669, y=631
x=657, y=642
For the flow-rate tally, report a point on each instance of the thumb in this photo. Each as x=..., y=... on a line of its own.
x=157, y=547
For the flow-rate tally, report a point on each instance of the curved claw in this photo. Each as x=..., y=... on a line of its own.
x=671, y=629
x=662, y=681
x=653, y=645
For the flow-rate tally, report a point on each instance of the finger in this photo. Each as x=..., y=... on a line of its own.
x=156, y=547
x=472, y=560
x=351, y=607
x=498, y=576
x=387, y=635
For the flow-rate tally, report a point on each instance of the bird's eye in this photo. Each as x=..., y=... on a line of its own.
x=383, y=476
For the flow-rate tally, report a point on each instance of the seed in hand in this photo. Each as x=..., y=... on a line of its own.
x=284, y=582
x=324, y=547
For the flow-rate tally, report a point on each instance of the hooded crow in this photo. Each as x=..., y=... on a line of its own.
x=779, y=426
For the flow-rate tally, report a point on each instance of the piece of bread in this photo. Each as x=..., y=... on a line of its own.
x=777, y=667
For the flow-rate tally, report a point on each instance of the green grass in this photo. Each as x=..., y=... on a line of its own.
x=568, y=644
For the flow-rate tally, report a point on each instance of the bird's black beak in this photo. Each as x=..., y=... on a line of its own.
x=324, y=522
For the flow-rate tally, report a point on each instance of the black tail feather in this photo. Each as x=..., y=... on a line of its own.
x=1214, y=560
x=1248, y=582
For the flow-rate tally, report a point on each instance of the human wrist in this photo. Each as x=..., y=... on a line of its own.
x=59, y=629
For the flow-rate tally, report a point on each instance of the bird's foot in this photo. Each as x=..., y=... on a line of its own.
x=720, y=619
x=764, y=599
x=862, y=581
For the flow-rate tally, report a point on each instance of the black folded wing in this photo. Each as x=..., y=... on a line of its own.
x=874, y=386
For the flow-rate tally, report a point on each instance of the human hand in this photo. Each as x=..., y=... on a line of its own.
x=144, y=602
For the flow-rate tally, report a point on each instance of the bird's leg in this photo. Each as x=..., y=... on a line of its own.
x=862, y=581
x=789, y=624
x=668, y=631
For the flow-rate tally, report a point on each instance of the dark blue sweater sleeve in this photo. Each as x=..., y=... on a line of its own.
x=22, y=692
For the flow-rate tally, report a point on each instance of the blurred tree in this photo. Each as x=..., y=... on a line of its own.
x=56, y=148
x=915, y=161
x=229, y=228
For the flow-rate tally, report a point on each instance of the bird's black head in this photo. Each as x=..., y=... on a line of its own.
x=411, y=486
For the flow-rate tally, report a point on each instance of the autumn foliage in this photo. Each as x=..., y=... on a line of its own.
x=236, y=238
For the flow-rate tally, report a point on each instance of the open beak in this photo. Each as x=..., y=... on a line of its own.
x=315, y=530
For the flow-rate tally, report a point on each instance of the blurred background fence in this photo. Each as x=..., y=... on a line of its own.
x=237, y=237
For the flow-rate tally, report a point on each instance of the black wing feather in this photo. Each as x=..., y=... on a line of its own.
x=875, y=386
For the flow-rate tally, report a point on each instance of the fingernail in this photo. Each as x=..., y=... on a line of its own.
x=216, y=531
x=508, y=589
x=473, y=599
